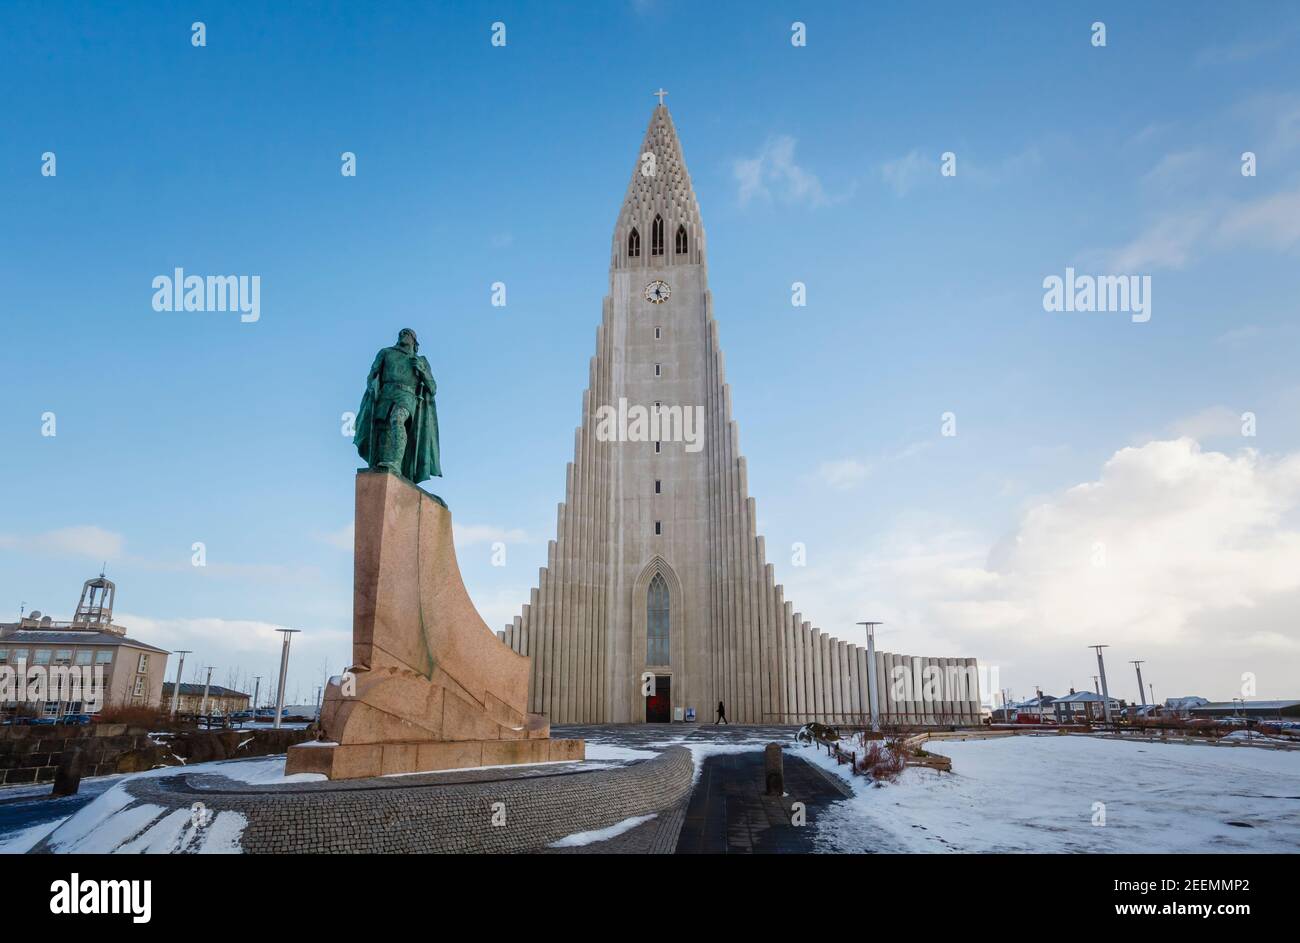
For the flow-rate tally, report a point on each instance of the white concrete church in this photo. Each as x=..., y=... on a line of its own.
x=657, y=600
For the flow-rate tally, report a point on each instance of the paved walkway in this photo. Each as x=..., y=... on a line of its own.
x=727, y=812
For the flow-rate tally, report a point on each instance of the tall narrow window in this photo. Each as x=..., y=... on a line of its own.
x=633, y=244
x=658, y=334
x=656, y=623
x=657, y=236
x=681, y=240
x=659, y=486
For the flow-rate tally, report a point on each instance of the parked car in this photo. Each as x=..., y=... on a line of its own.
x=77, y=720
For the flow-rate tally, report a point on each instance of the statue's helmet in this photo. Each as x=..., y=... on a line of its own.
x=405, y=331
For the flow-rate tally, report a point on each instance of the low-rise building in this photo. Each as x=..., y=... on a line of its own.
x=1253, y=710
x=132, y=671
x=1084, y=707
x=220, y=700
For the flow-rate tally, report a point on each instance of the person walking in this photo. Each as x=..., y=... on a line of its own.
x=722, y=714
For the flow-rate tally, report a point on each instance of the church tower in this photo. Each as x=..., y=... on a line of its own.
x=656, y=598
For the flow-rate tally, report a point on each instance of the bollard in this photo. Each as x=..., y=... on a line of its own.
x=774, y=764
x=67, y=778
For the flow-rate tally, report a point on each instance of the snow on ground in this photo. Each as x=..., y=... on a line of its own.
x=107, y=826
x=602, y=834
x=23, y=840
x=609, y=751
x=1039, y=794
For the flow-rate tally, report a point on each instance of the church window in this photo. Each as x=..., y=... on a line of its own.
x=658, y=370
x=659, y=528
x=657, y=622
x=657, y=334
x=657, y=236
x=634, y=244
x=658, y=446
x=659, y=486
x=681, y=240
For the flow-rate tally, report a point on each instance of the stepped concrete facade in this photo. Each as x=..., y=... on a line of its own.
x=657, y=597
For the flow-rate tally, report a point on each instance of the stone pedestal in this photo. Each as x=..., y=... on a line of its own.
x=431, y=687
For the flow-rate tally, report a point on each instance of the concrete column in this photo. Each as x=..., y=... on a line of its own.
x=837, y=701
x=560, y=709
x=855, y=677
x=845, y=697
x=805, y=631
x=824, y=652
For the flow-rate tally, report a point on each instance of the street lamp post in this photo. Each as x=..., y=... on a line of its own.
x=871, y=673
x=176, y=688
x=1142, y=691
x=284, y=671
x=1105, y=692
x=203, y=708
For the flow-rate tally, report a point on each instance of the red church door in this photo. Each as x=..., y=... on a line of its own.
x=658, y=706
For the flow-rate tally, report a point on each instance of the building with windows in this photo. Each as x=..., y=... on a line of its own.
x=220, y=700
x=657, y=599
x=132, y=670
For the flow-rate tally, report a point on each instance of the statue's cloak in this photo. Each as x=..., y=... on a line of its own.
x=421, y=461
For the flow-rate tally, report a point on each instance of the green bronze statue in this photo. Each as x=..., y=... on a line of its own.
x=397, y=425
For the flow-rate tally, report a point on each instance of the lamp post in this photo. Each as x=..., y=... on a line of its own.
x=284, y=670
x=1142, y=691
x=1105, y=692
x=176, y=687
x=871, y=672
x=203, y=708
x=257, y=689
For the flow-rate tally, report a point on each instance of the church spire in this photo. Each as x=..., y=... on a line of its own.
x=659, y=223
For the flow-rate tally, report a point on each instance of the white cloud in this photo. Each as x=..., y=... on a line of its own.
x=1242, y=50
x=1215, y=422
x=843, y=474
x=84, y=540
x=904, y=173
x=774, y=174
x=1270, y=222
x=341, y=539
x=469, y=534
x=1188, y=558
x=1168, y=243
x=1178, y=169
x=465, y=535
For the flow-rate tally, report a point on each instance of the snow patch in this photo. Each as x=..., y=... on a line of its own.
x=577, y=839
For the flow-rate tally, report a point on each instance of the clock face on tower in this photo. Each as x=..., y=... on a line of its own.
x=657, y=292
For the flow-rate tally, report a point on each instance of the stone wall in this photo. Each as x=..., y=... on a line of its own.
x=32, y=754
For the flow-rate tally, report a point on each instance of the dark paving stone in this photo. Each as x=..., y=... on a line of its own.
x=729, y=813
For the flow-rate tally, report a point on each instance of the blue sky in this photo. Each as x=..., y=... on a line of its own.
x=818, y=164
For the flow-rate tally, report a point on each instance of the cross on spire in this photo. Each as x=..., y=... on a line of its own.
x=661, y=93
